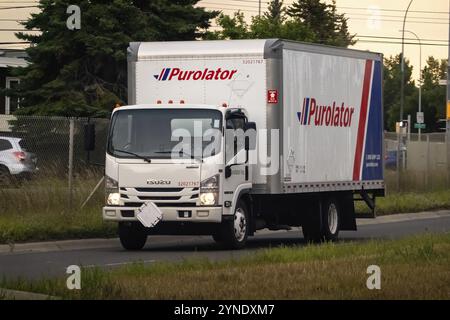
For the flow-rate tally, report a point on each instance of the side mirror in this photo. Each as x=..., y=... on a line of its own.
x=250, y=125
x=227, y=172
x=89, y=137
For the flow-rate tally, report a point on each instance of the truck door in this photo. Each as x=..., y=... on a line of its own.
x=237, y=171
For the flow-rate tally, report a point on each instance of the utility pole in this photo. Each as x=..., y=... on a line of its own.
x=259, y=8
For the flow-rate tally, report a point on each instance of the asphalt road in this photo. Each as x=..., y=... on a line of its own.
x=51, y=259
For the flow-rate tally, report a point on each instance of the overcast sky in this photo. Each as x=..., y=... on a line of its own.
x=371, y=20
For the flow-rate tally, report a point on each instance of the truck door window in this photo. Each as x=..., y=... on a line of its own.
x=235, y=142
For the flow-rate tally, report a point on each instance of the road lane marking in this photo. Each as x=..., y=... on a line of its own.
x=116, y=264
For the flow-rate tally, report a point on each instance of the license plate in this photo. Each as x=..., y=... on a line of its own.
x=149, y=215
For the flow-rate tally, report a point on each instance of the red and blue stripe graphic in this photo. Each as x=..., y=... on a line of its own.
x=163, y=75
x=303, y=116
x=368, y=163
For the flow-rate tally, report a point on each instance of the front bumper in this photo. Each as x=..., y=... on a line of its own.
x=169, y=214
x=21, y=169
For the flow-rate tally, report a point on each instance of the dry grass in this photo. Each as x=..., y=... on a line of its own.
x=39, y=210
x=413, y=268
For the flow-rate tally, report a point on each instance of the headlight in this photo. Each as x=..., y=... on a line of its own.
x=112, y=195
x=113, y=199
x=209, y=191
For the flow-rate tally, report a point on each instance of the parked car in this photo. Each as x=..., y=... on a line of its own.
x=390, y=158
x=15, y=161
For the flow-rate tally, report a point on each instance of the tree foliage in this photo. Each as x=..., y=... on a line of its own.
x=433, y=95
x=83, y=72
x=305, y=20
x=322, y=19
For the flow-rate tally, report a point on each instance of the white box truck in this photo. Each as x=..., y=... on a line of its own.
x=224, y=138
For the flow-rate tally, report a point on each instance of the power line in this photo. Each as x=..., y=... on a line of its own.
x=399, y=42
x=399, y=38
x=252, y=9
x=18, y=7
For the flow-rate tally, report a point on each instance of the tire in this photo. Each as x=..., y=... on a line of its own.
x=331, y=220
x=132, y=235
x=325, y=223
x=234, y=233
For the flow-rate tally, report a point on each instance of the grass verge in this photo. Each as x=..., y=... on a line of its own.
x=411, y=268
x=409, y=202
x=38, y=211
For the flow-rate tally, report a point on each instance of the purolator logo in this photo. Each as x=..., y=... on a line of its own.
x=168, y=74
x=329, y=115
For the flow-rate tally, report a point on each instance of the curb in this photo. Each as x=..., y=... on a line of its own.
x=86, y=244
x=7, y=294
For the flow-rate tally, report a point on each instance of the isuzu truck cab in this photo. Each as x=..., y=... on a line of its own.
x=224, y=138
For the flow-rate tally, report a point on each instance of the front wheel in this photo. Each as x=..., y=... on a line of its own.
x=234, y=233
x=132, y=235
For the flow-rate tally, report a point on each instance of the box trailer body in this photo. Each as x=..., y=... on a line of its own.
x=318, y=112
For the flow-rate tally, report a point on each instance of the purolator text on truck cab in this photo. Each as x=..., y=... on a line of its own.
x=189, y=168
x=168, y=74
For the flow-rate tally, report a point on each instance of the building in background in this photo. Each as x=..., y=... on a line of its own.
x=10, y=58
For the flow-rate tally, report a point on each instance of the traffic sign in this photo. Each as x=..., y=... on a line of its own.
x=420, y=117
x=419, y=125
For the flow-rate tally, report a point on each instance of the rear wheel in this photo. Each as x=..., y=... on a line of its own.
x=132, y=235
x=234, y=232
x=331, y=220
x=325, y=222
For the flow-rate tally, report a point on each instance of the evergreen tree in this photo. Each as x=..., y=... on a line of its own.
x=84, y=72
x=275, y=11
x=391, y=85
x=305, y=20
x=328, y=26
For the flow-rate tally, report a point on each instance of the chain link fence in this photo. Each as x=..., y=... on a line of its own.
x=48, y=153
x=423, y=161
x=55, y=169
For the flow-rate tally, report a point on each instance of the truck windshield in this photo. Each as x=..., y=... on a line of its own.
x=165, y=133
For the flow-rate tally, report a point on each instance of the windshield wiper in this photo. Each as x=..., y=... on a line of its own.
x=134, y=154
x=180, y=152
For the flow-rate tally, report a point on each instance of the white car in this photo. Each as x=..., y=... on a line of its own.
x=15, y=160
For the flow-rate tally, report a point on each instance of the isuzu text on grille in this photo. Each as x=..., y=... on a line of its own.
x=168, y=74
x=325, y=115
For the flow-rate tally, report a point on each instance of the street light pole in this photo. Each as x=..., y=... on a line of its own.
x=420, y=74
x=402, y=92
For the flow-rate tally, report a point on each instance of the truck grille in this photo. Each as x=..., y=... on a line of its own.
x=162, y=197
